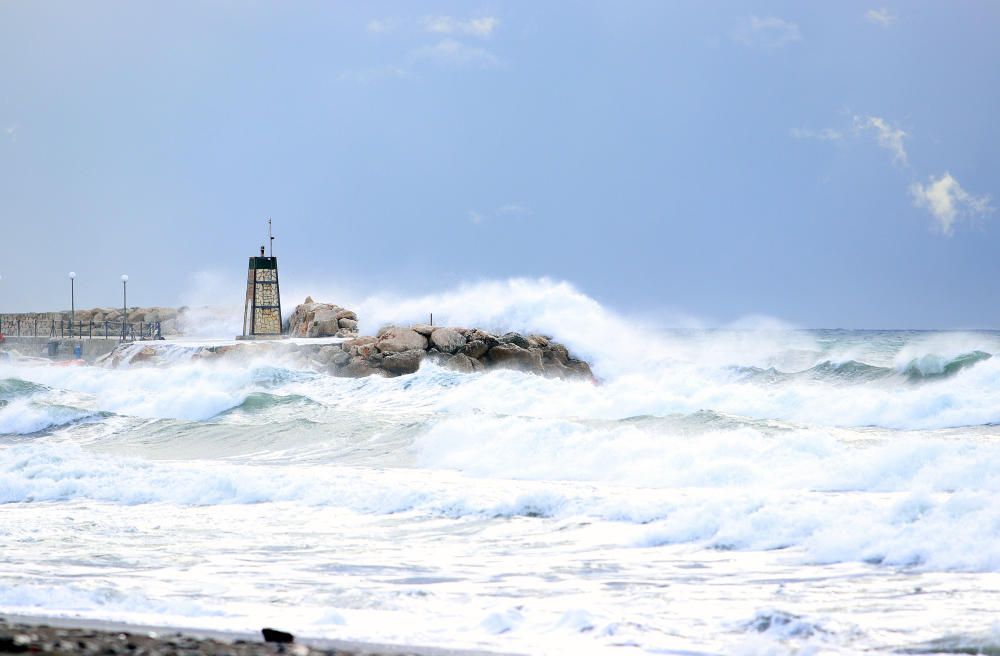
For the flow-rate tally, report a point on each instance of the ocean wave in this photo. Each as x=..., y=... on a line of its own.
x=262, y=402
x=26, y=417
x=12, y=388
x=932, y=366
x=933, y=506
x=927, y=367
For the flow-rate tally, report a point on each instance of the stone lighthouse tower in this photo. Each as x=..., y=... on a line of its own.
x=262, y=306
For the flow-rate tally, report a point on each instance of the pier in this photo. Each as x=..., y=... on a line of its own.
x=61, y=339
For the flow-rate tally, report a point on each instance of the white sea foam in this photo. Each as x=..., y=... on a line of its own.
x=512, y=511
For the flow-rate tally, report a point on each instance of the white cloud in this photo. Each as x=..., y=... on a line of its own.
x=769, y=33
x=824, y=134
x=11, y=131
x=882, y=16
x=482, y=27
x=513, y=210
x=888, y=136
x=450, y=51
x=947, y=202
x=380, y=26
x=508, y=211
x=370, y=75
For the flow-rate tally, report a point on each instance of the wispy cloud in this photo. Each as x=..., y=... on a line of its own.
x=769, y=33
x=481, y=27
x=948, y=202
x=11, y=132
x=887, y=135
x=508, y=211
x=456, y=53
x=380, y=25
x=823, y=134
x=375, y=74
x=882, y=17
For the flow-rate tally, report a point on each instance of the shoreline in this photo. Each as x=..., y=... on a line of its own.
x=39, y=634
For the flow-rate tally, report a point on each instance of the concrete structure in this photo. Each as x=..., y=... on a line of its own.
x=60, y=349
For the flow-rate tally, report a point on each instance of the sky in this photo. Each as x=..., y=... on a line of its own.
x=827, y=164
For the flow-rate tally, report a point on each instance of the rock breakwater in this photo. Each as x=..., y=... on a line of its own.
x=311, y=319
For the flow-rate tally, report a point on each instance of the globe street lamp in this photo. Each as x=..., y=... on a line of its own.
x=124, y=304
x=72, y=300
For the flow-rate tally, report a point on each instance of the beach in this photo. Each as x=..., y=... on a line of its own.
x=40, y=635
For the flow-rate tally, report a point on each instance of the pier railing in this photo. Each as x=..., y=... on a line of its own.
x=51, y=328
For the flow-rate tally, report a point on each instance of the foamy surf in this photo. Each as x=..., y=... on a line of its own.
x=738, y=489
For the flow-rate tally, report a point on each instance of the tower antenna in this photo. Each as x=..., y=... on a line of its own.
x=270, y=237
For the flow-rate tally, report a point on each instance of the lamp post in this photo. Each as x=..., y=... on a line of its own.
x=72, y=301
x=124, y=304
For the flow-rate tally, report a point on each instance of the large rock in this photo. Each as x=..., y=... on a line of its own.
x=325, y=354
x=476, y=335
x=475, y=349
x=360, y=346
x=404, y=362
x=312, y=319
x=516, y=339
x=558, y=353
x=357, y=368
x=395, y=339
x=349, y=324
x=423, y=328
x=447, y=340
x=512, y=356
x=463, y=364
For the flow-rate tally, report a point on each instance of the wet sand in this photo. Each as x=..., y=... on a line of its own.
x=41, y=635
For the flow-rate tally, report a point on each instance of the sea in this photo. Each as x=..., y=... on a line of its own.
x=755, y=488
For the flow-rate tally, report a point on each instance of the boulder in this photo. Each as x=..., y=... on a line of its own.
x=581, y=368
x=463, y=364
x=475, y=349
x=477, y=335
x=362, y=347
x=558, y=352
x=326, y=354
x=340, y=359
x=403, y=362
x=538, y=341
x=325, y=313
x=326, y=328
x=447, y=340
x=357, y=368
x=512, y=356
x=516, y=339
x=349, y=324
x=395, y=339
x=423, y=328
x=312, y=319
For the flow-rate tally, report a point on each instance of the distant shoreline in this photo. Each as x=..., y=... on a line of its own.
x=40, y=634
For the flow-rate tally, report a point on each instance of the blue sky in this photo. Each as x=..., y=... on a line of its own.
x=832, y=165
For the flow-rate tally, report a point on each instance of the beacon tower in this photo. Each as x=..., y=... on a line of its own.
x=262, y=306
